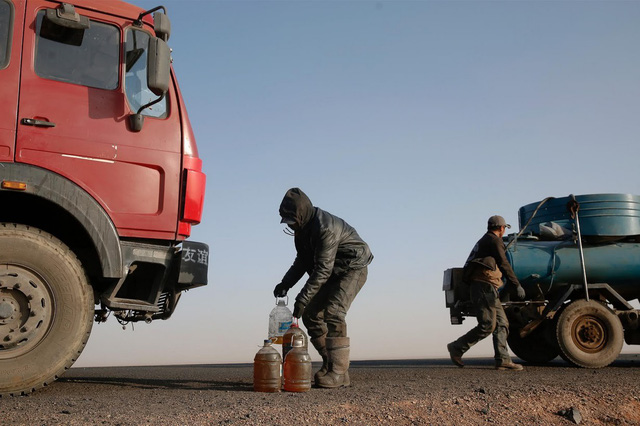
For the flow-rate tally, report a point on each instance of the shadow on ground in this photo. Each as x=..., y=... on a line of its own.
x=240, y=375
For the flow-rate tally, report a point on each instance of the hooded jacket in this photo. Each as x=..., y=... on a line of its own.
x=325, y=245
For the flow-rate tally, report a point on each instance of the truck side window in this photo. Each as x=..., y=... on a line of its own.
x=6, y=25
x=94, y=63
x=135, y=77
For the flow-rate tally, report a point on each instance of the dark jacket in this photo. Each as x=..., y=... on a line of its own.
x=488, y=262
x=325, y=244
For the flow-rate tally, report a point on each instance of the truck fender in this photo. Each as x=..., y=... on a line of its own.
x=605, y=289
x=76, y=201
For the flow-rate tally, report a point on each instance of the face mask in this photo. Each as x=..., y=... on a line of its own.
x=291, y=225
x=288, y=221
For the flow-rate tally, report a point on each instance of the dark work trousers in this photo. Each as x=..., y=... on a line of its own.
x=491, y=319
x=327, y=310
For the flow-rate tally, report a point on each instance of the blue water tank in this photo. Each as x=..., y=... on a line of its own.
x=610, y=215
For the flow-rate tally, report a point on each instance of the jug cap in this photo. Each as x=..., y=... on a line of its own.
x=282, y=301
x=267, y=342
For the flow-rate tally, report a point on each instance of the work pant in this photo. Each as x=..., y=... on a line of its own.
x=326, y=311
x=491, y=319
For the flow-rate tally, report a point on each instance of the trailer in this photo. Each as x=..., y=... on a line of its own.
x=577, y=259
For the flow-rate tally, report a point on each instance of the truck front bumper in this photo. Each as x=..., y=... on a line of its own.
x=154, y=277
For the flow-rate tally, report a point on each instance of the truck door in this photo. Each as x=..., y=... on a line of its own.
x=77, y=91
x=11, y=21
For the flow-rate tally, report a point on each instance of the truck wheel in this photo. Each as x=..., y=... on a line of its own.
x=46, y=309
x=537, y=347
x=589, y=334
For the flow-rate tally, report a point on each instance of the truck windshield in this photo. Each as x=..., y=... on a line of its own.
x=94, y=63
x=135, y=77
x=6, y=19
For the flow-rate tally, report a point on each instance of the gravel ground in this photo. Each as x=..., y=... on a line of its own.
x=382, y=392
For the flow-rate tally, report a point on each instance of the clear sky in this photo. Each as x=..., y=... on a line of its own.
x=412, y=120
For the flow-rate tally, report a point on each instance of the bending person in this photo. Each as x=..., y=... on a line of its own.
x=336, y=259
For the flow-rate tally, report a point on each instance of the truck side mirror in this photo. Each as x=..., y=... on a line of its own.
x=158, y=66
x=162, y=25
x=158, y=77
x=64, y=25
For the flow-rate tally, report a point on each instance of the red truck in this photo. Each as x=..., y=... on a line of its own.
x=100, y=180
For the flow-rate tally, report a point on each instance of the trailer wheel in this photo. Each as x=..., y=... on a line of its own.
x=46, y=309
x=538, y=347
x=589, y=334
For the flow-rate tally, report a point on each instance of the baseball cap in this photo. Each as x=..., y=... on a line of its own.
x=496, y=220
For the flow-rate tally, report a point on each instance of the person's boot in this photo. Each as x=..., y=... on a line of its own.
x=338, y=351
x=508, y=365
x=455, y=355
x=320, y=343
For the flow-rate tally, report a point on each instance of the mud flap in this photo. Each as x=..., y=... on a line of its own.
x=194, y=265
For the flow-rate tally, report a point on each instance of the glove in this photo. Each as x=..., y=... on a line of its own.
x=298, y=309
x=280, y=290
x=520, y=292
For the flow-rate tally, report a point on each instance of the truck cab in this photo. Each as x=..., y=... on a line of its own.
x=100, y=179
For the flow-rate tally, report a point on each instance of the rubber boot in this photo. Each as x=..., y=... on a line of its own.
x=320, y=343
x=338, y=375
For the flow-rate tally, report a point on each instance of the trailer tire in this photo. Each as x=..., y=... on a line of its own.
x=589, y=334
x=538, y=347
x=46, y=309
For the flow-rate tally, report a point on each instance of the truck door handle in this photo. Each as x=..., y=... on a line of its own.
x=37, y=123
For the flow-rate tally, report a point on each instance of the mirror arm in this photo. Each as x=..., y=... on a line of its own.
x=145, y=106
x=136, y=120
x=138, y=22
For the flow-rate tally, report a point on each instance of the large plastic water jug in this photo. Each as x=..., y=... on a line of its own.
x=288, y=337
x=297, y=368
x=280, y=319
x=266, y=369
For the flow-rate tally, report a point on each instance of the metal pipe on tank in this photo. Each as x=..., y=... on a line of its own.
x=574, y=212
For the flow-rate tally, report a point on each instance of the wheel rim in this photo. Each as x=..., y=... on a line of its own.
x=589, y=334
x=26, y=311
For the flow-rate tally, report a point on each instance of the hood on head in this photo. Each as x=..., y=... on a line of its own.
x=296, y=206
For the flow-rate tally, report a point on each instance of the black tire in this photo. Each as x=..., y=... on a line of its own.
x=589, y=334
x=538, y=347
x=46, y=309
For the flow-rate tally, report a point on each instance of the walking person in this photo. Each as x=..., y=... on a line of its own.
x=334, y=256
x=484, y=269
